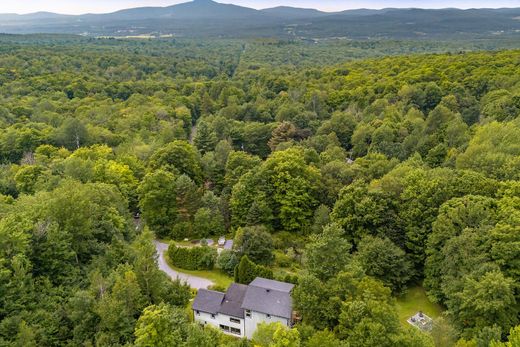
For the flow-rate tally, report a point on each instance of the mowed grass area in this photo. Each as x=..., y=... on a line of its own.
x=219, y=278
x=415, y=300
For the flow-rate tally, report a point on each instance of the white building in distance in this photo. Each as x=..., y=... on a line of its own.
x=238, y=311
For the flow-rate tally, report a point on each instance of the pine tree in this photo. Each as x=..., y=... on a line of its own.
x=205, y=138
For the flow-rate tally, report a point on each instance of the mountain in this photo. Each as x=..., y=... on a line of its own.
x=417, y=23
x=294, y=12
x=364, y=12
x=197, y=9
x=207, y=18
x=32, y=16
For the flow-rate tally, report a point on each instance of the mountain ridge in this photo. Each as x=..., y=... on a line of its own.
x=208, y=18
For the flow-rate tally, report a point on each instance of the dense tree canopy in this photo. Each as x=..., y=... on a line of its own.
x=353, y=181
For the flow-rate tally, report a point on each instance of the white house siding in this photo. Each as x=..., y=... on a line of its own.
x=205, y=318
x=257, y=318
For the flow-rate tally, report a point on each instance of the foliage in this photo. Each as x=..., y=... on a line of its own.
x=179, y=157
x=328, y=253
x=354, y=172
x=385, y=261
x=227, y=261
x=157, y=201
x=275, y=335
x=255, y=243
x=463, y=277
x=246, y=271
x=512, y=340
x=160, y=326
x=192, y=258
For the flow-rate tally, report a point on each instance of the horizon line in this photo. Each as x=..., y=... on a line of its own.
x=265, y=8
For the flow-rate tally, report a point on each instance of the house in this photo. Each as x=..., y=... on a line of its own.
x=239, y=311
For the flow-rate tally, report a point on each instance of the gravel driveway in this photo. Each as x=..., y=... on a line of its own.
x=193, y=281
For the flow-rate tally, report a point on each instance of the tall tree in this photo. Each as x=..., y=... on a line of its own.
x=382, y=259
x=161, y=325
x=327, y=253
x=178, y=157
x=158, y=201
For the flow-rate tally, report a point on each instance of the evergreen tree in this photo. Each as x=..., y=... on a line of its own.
x=246, y=271
x=205, y=138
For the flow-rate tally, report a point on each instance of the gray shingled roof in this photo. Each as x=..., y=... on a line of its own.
x=208, y=301
x=270, y=297
x=272, y=284
x=262, y=295
x=232, y=303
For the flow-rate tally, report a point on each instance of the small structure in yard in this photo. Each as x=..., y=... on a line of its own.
x=221, y=241
x=421, y=321
x=228, y=245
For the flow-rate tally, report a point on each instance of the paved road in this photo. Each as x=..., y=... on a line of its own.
x=193, y=281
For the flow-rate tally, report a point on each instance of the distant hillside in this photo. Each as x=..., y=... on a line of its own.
x=207, y=18
x=197, y=9
x=410, y=23
x=32, y=16
x=294, y=12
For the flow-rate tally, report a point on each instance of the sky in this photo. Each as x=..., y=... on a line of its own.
x=103, y=6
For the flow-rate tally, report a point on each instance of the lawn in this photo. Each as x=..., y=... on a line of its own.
x=415, y=300
x=220, y=279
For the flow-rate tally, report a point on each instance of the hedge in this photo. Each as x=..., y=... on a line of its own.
x=194, y=258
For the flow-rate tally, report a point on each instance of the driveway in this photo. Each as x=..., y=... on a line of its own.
x=193, y=281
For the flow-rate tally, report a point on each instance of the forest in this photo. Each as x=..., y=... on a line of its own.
x=356, y=170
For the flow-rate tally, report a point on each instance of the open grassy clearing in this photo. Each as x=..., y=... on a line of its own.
x=415, y=300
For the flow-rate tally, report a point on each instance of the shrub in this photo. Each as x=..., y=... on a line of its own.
x=246, y=271
x=282, y=260
x=227, y=261
x=194, y=258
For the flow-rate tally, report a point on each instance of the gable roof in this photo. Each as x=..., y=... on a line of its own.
x=271, y=302
x=232, y=303
x=272, y=284
x=262, y=295
x=208, y=301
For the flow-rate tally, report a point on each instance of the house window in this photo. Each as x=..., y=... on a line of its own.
x=224, y=327
x=248, y=313
x=234, y=320
x=197, y=312
x=268, y=316
x=235, y=331
x=212, y=316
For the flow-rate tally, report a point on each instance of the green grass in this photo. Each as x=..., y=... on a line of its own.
x=219, y=278
x=415, y=300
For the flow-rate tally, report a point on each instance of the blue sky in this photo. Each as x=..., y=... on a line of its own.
x=100, y=6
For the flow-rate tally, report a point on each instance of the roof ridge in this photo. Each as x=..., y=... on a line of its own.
x=268, y=289
x=210, y=290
